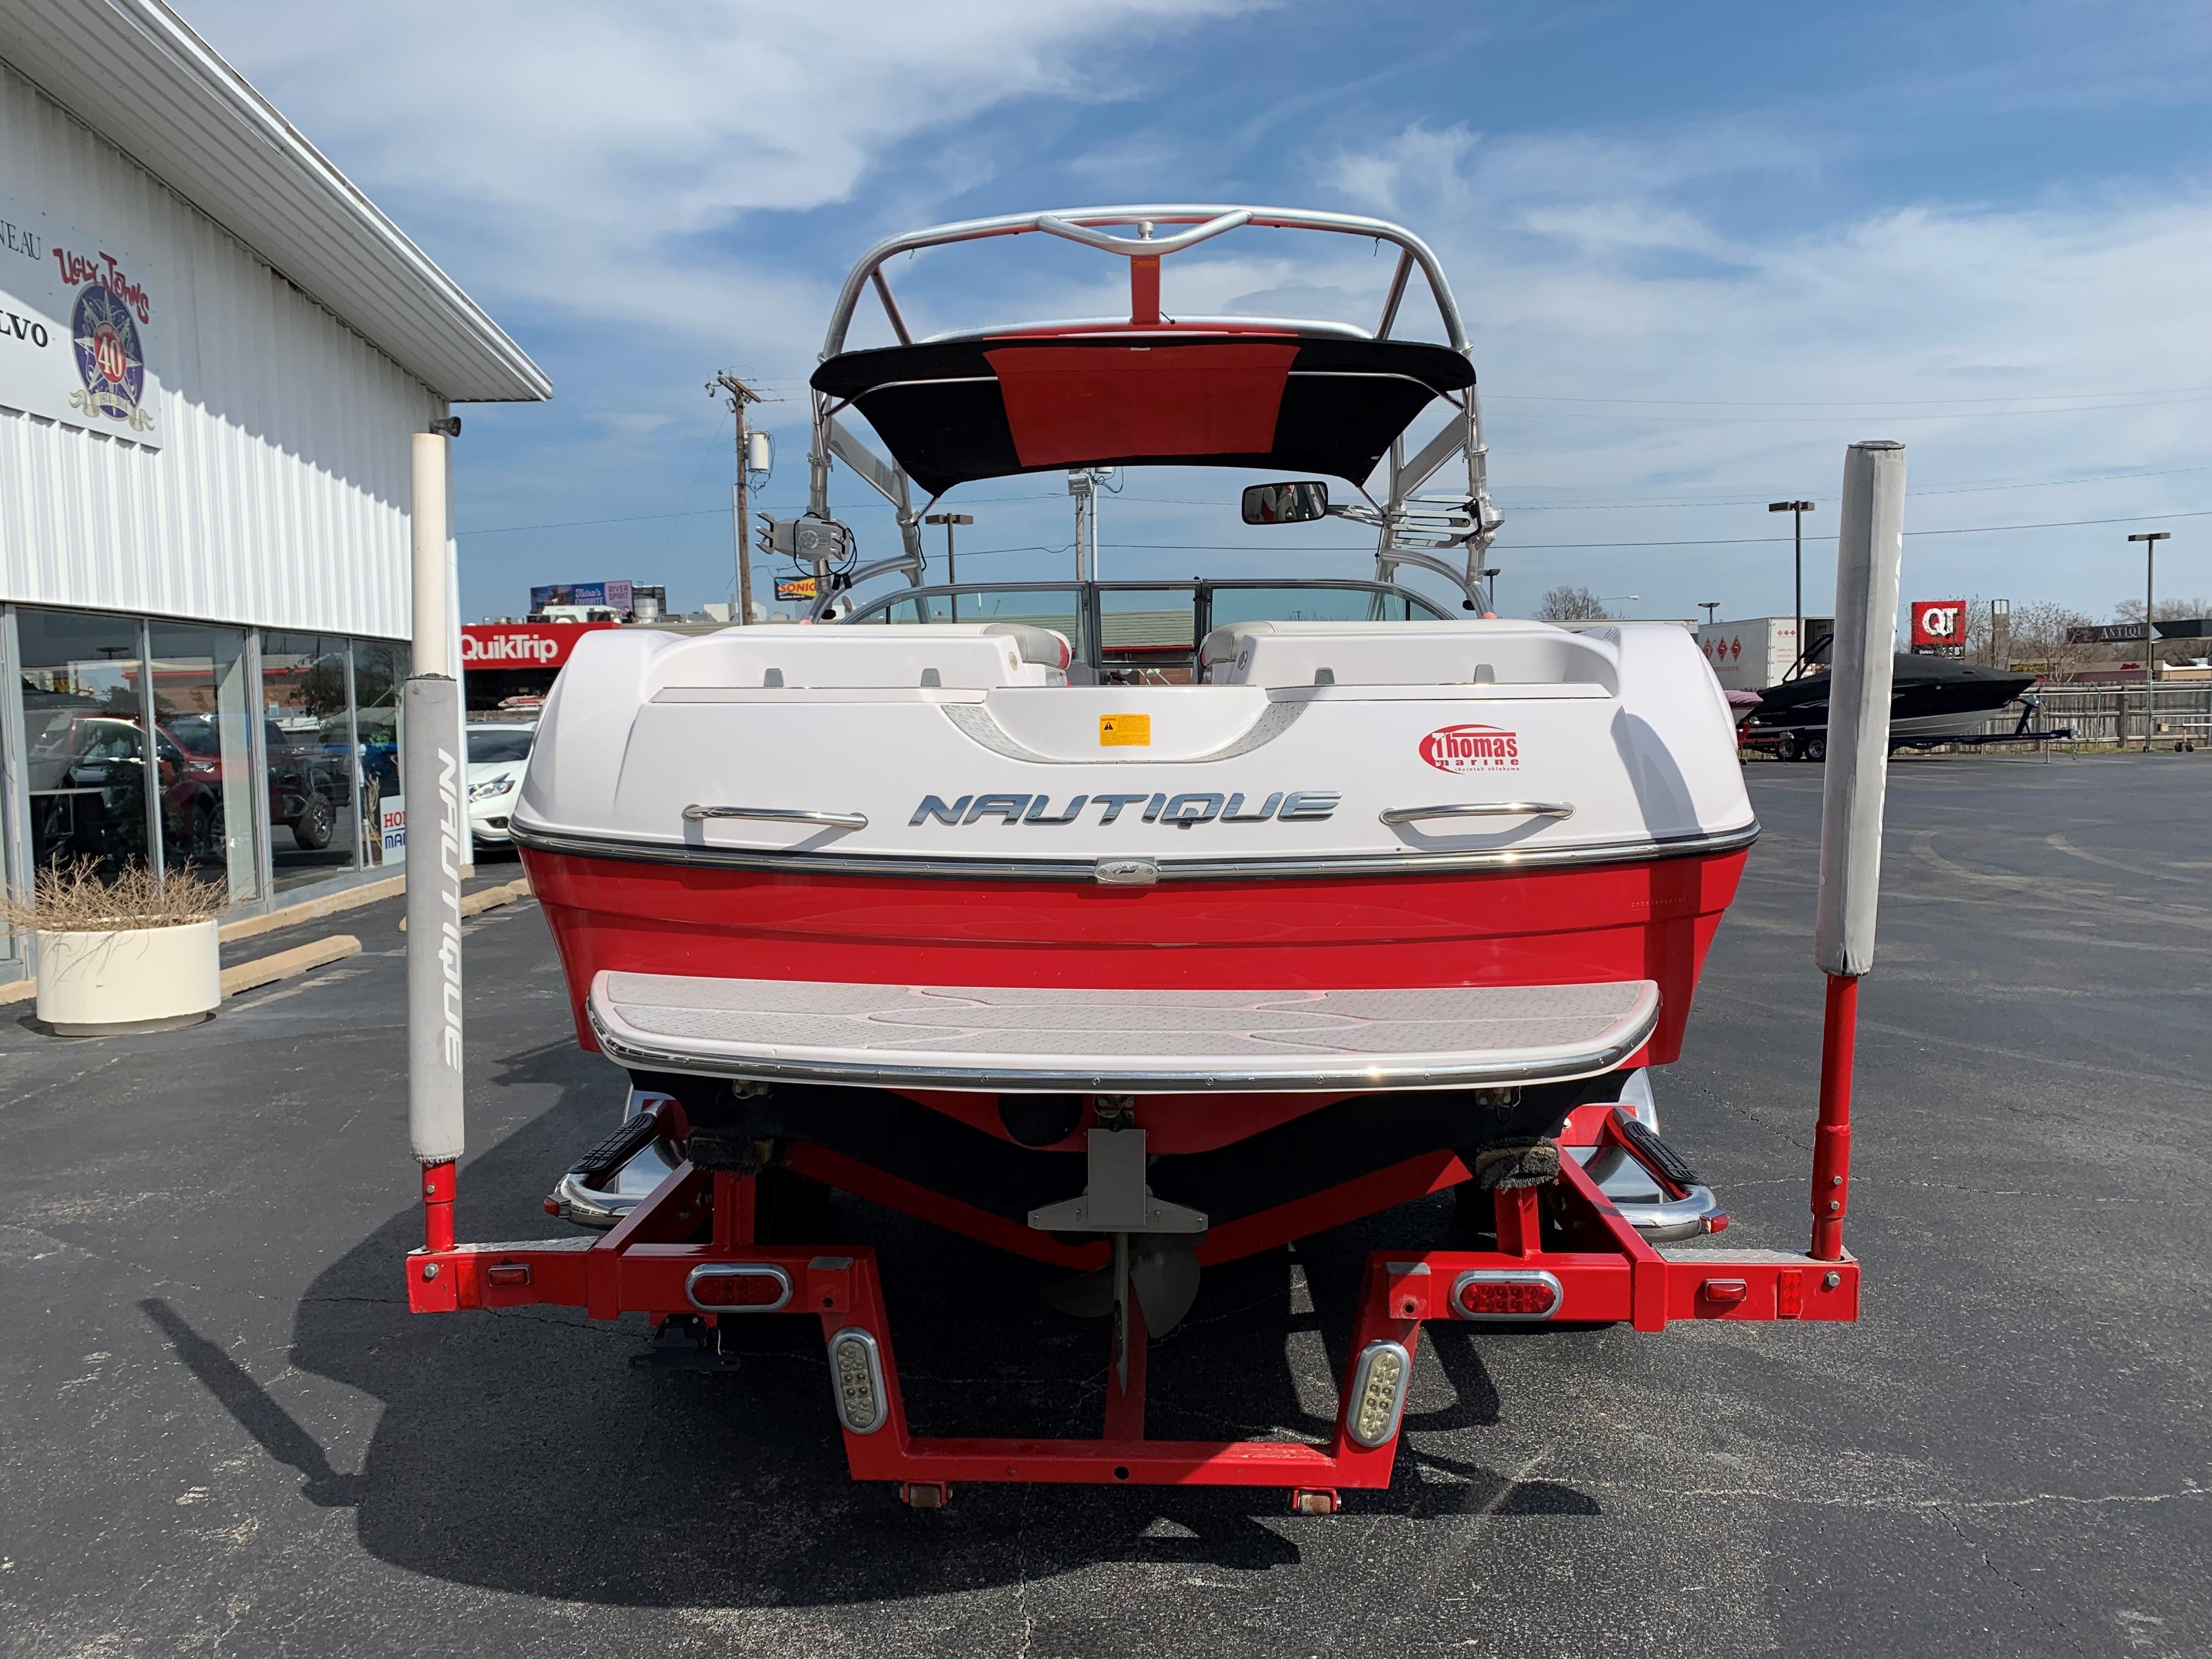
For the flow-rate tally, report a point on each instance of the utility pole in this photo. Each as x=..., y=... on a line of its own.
x=1082, y=484
x=740, y=395
x=2150, y=539
x=1797, y=510
x=1085, y=488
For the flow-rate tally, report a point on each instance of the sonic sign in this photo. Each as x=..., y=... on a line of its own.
x=1939, y=626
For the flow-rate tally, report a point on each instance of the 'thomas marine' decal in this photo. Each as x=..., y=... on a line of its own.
x=1473, y=749
x=1297, y=807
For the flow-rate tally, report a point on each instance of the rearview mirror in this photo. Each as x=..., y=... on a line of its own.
x=1297, y=502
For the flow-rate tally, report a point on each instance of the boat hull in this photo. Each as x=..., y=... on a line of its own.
x=1646, y=919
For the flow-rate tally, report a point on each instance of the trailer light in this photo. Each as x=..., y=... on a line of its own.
x=1505, y=1293
x=1726, y=1291
x=856, y=1371
x=1378, y=1393
x=738, y=1287
x=508, y=1274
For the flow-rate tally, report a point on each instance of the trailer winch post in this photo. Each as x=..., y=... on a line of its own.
x=1870, y=548
x=432, y=770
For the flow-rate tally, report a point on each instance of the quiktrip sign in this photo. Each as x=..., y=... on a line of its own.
x=80, y=321
x=521, y=645
x=1939, y=625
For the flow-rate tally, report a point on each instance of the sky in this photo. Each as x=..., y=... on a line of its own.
x=1700, y=250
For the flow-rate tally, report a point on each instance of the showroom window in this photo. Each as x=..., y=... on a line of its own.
x=84, y=746
x=306, y=707
x=380, y=670
x=158, y=743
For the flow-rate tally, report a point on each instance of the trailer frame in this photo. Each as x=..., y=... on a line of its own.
x=700, y=1226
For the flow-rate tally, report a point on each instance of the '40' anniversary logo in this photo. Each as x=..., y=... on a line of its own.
x=110, y=360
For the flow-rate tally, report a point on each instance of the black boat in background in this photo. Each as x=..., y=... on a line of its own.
x=1930, y=697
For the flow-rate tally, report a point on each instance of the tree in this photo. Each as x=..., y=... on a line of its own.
x=2039, y=635
x=1571, y=605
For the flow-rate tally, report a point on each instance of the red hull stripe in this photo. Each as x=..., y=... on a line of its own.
x=1552, y=927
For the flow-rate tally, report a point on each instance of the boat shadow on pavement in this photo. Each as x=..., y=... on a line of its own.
x=501, y=1432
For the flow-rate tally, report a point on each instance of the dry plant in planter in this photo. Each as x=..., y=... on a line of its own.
x=122, y=951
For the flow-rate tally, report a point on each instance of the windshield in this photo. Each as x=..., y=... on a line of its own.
x=1312, y=602
x=489, y=746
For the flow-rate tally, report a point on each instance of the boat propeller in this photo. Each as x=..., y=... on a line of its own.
x=1161, y=1269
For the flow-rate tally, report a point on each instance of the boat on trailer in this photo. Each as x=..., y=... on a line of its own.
x=1137, y=948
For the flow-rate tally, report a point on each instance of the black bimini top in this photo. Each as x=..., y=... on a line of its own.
x=986, y=408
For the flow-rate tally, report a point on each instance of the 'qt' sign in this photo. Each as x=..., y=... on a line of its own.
x=1938, y=622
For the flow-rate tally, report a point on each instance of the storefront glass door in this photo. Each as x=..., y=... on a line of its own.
x=203, y=706
x=307, y=706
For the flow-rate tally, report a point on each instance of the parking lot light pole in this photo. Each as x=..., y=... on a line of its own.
x=948, y=520
x=1797, y=510
x=951, y=563
x=2150, y=539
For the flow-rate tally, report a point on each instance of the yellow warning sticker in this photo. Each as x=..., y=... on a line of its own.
x=1125, y=731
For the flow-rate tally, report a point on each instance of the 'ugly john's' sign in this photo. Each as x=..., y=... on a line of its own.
x=79, y=323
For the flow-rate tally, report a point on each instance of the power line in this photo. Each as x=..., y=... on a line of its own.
x=1830, y=420
x=1701, y=541
x=1340, y=547
x=1834, y=403
x=1969, y=488
x=579, y=524
x=1961, y=530
x=1988, y=487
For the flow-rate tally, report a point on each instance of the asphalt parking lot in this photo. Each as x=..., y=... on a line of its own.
x=223, y=1432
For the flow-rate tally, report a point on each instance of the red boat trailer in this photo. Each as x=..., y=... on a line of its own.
x=657, y=1262
x=690, y=1250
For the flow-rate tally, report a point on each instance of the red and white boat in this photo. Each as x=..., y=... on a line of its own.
x=1139, y=956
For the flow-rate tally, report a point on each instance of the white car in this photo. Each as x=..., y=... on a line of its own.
x=498, y=756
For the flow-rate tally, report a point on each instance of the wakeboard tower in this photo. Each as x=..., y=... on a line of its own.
x=1138, y=957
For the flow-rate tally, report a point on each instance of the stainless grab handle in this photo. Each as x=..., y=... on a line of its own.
x=1481, y=809
x=696, y=814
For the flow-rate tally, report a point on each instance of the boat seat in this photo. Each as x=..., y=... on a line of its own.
x=1119, y=1042
x=1487, y=652
x=974, y=656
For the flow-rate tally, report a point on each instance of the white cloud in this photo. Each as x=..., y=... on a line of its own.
x=584, y=147
x=1599, y=272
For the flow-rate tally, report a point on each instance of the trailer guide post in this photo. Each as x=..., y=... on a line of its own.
x=1870, y=549
x=431, y=769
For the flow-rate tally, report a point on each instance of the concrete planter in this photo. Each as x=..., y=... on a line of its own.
x=134, y=979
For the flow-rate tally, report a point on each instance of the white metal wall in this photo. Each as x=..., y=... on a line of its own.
x=280, y=495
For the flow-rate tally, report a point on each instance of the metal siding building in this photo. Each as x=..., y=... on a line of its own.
x=279, y=495
x=226, y=538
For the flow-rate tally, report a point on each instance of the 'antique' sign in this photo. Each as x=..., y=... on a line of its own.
x=80, y=318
